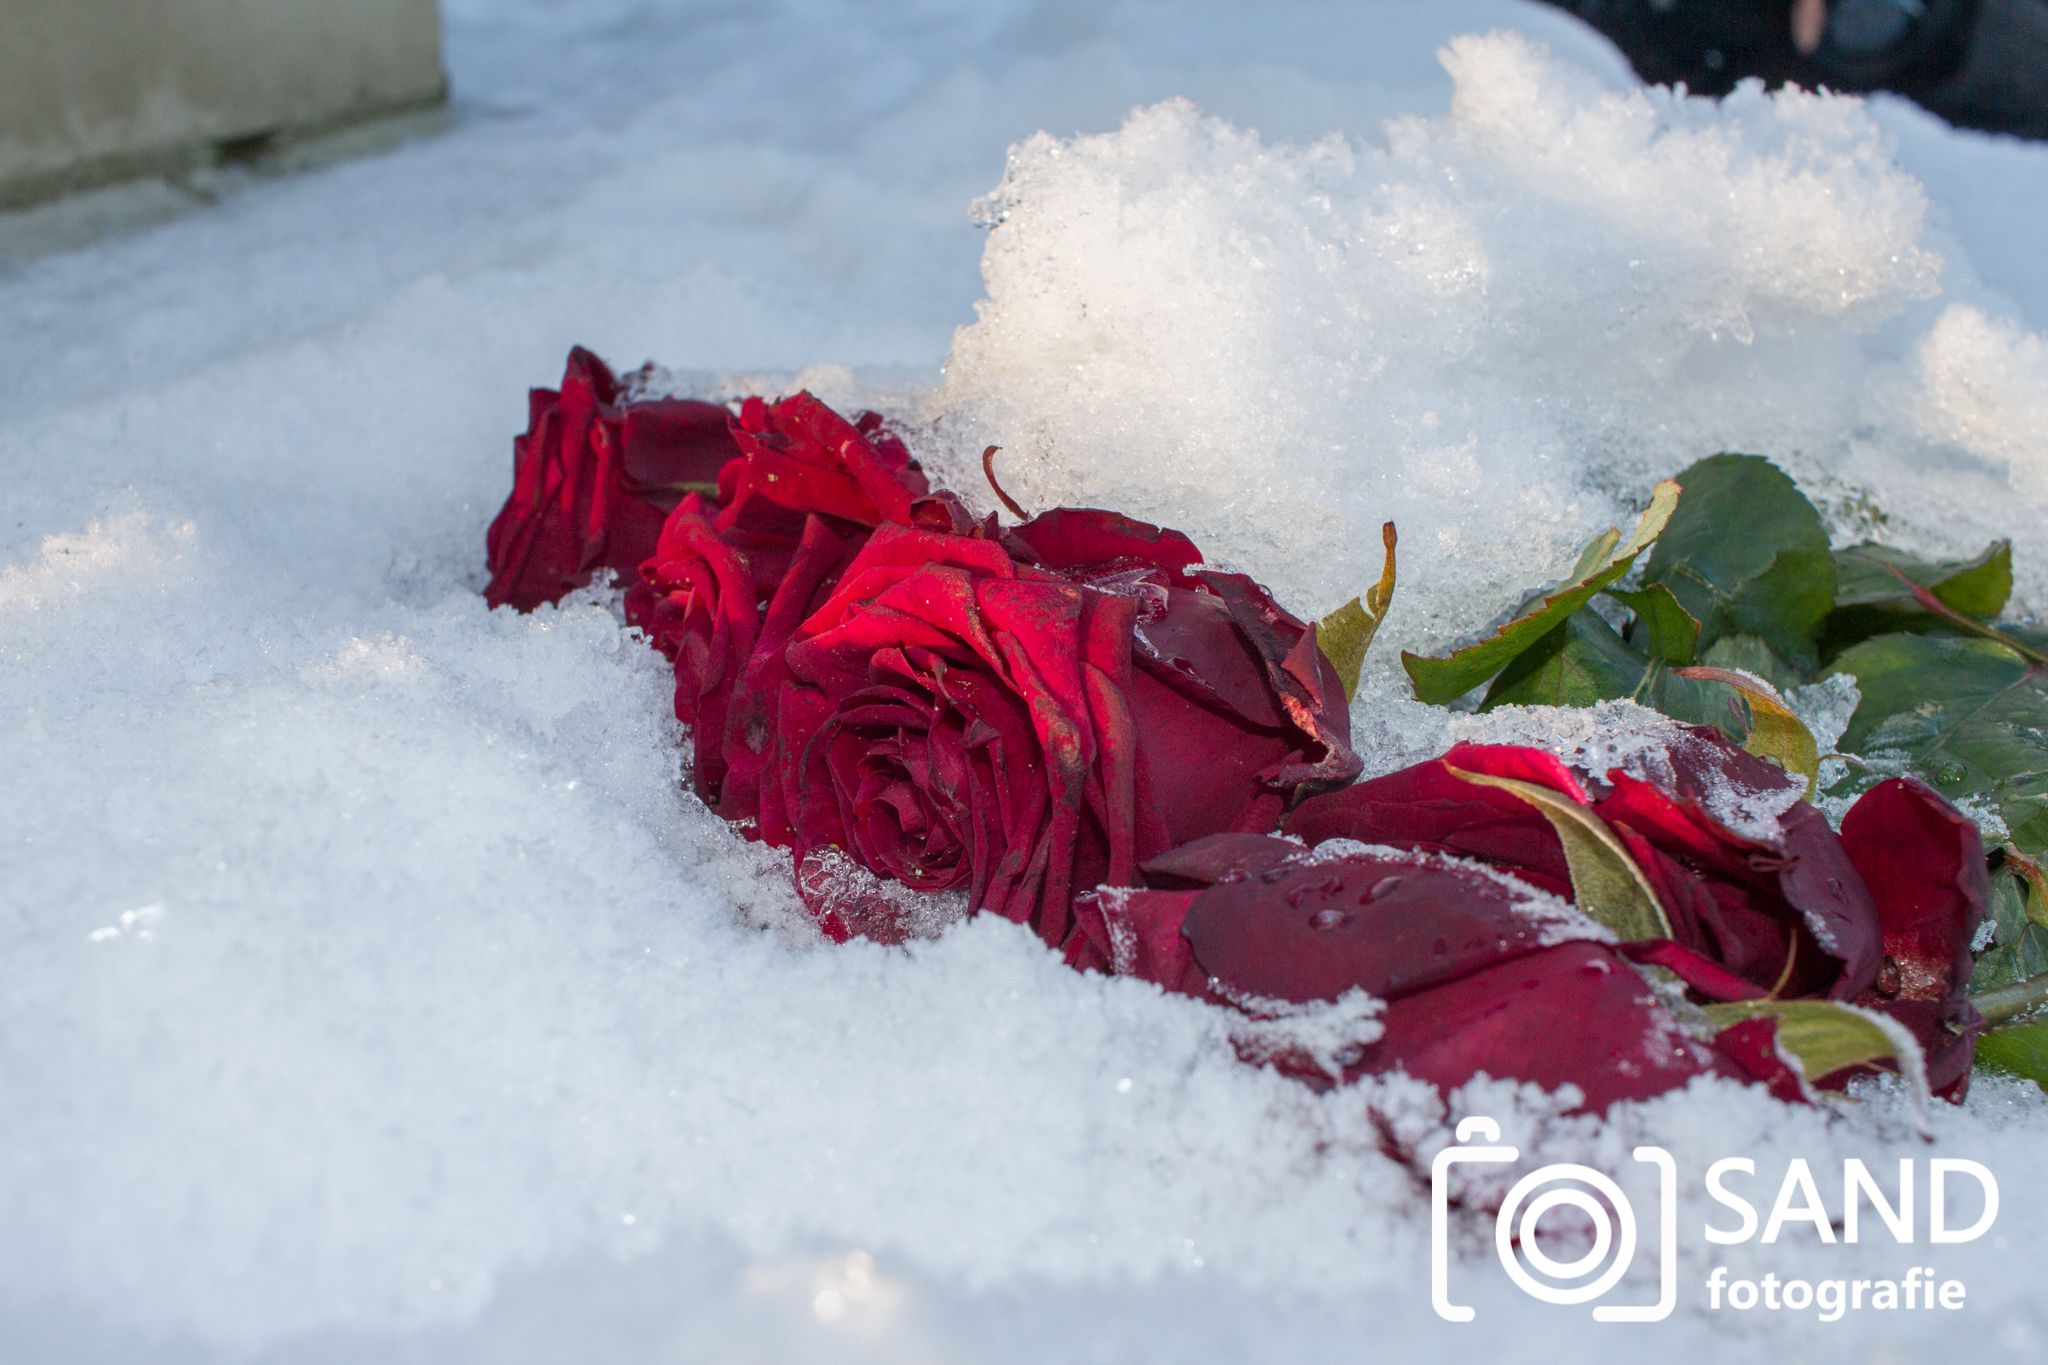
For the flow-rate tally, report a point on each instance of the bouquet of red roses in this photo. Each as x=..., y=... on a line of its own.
x=1070, y=721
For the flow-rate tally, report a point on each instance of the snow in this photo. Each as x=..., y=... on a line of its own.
x=368, y=989
x=1496, y=326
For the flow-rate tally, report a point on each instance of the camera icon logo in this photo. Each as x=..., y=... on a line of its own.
x=1563, y=1184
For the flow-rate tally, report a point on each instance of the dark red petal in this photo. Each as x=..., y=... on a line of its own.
x=1114, y=797
x=1204, y=771
x=1924, y=863
x=1216, y=857
x=795, y=807
x=1303, y=680
x=1799, y=885
x=575, y=508
x=1387, y=924
x=1427, y=807
x=1085, y=540
x=1135, y=933
x=585, y=370
x=668, y=443
x=821, y=554
x=809, y=459
x=893, y=552
x=702, y=614
x=1752, y=1045
x=1695, y=969
x=1947, y=1032
x=1576, y=1015
x=1194, y=644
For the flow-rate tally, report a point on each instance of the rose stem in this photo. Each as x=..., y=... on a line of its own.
x=2007, y=1003
x=988, y=470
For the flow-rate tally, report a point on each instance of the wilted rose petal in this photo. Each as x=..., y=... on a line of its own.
x=1752, y=1046
x=1206, y=861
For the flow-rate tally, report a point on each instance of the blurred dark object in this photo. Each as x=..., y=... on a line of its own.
x=1977, y=63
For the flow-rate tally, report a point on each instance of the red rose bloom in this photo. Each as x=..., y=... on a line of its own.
x=1781, y=908
x=1480, y=973
x=592, y=480
x=729, y=579
x=804, y=458
x=1025, y=714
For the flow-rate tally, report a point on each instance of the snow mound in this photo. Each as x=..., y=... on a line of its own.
x=1496, y=329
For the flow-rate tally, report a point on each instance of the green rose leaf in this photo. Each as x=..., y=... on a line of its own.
x=2021, y=1050
x=1578, y=663
x=1585, y=661
x=1440, y=681
x=1346, y=633
x=1745, y=553
x=2018, y=911
x=1823, y=1036
x=1668, y=630
x=1607, y=885
x=1966, y=715
x=1870, y=600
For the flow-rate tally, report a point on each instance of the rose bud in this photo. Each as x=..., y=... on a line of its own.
x=1480, y=973
x=1764, y=899
x=1025, y=714
x=593, y=479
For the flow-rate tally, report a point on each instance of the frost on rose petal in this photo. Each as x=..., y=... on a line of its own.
x=1624, y=736
x=1331, y=1035
x=847, y=900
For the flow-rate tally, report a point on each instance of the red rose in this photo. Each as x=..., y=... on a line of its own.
x=1781, y=907
x=1923, y=861
x=730, y=578
x=802, y=458
x=1480, y=973
x=592, y=480
x=1023, y=714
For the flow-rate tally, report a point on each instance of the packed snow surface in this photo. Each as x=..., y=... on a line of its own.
x=370, y=990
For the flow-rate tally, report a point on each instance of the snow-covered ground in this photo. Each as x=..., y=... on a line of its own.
x=368, y=989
